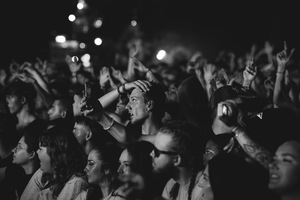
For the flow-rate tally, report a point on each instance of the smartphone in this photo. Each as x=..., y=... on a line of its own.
x=87, y=91
x=223, y=110
x=88, y=94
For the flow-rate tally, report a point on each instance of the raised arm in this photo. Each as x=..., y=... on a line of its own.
x=249, y=74
x=231, y=124
x=281, y=96
x=117, y=130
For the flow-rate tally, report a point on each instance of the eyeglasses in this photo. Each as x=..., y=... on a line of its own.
x=158, y=152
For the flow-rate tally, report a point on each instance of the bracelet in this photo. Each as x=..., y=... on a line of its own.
x=111, y=124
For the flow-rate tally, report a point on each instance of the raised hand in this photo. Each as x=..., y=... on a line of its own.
x=143, y=85
x=283, y=57
x=40, y=65
x=14, y=67
x=104, y=76
x=249, y=73
x=74, y=66
x=133, y=48
x=27, y=72
x=89, y=106
x=208, y=70
x=139, y=66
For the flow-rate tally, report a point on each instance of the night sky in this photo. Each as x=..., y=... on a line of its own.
x=29, y=26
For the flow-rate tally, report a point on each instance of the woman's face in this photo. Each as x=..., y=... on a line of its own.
x=125, y=161
x=45, y=160
x=204, y=183
x=93, y=168
x=285, y=169
x=21, y=156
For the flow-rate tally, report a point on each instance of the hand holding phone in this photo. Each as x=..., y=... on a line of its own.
x=227, y=112
x=223, y=110
x=88, y=94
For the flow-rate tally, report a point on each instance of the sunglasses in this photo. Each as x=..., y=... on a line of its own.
x=158, y=152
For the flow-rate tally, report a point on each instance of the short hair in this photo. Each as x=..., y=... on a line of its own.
x=186, y=140
x=22, y=89
x=99, y=135
x=156, y=93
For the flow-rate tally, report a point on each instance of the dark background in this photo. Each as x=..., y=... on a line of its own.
x=209, y=26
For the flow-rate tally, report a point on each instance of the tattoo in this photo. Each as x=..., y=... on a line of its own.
x=260, y=154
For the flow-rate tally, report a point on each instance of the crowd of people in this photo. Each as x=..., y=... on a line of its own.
x=217, y=129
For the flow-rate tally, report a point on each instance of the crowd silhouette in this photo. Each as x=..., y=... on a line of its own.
x=226, y=128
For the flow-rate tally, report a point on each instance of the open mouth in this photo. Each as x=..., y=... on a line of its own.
x=274, y=177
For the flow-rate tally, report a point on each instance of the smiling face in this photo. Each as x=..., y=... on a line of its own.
x=137, y=107
x=285, y=169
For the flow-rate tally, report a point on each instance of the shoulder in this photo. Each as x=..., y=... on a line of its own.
x=77, y=180
x=82, y=195
x=171, y=182
x=198, y=176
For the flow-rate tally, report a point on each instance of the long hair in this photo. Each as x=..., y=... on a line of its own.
x=109, y=154
x=67, y=157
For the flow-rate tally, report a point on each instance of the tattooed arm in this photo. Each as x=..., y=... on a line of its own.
x=252, y=148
